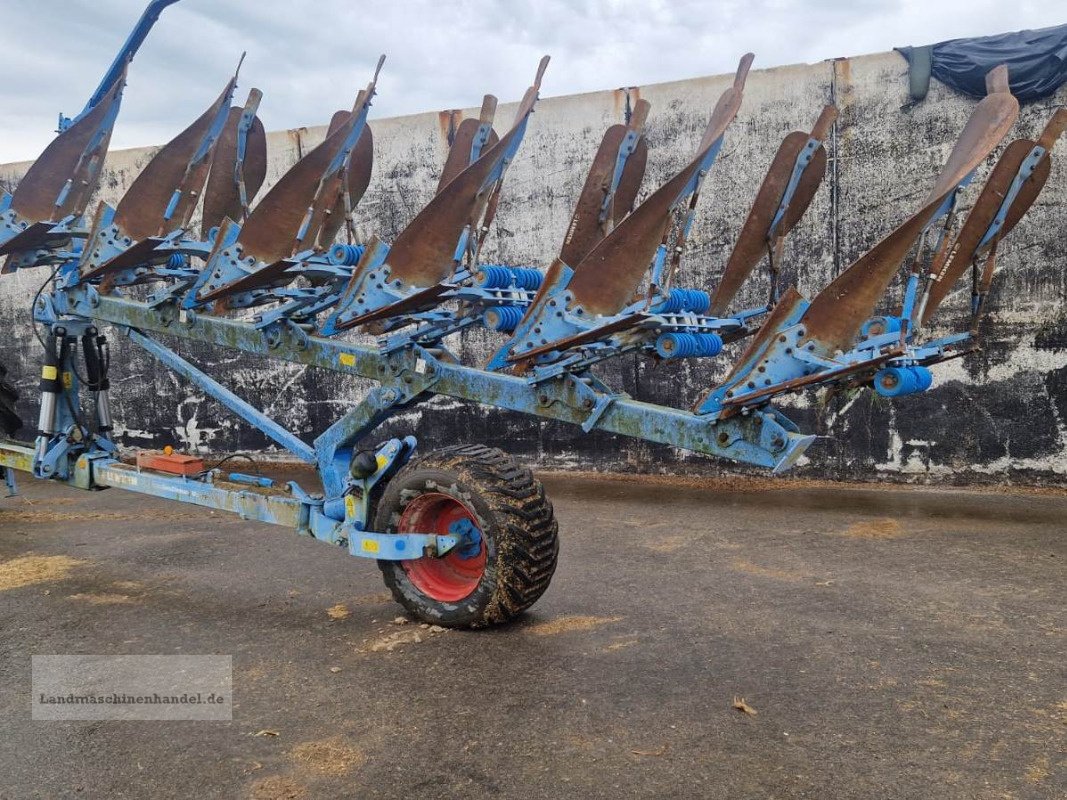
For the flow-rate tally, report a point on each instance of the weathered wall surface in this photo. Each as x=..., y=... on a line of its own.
x=1002, y=413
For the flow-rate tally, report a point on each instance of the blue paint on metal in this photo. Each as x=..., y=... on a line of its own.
x=469, y=538
x=496, y=276
x=1026, y=169
x=679, y=299
x=552, y=400
x=626, y=149
x=126, y=53
x=803, y=158
x=688, y=345
x=876, y=326
x=503, y=319
x=9, y=481
x=346, y=255
x=253, y=480
x=400, y=546
x=901, y=381
x=240, y=407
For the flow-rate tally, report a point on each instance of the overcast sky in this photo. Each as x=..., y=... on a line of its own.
x=311, y=56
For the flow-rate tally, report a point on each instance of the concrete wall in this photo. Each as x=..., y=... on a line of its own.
x=1000, y=414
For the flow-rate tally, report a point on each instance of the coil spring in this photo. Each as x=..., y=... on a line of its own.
x=900, y=381
x=495, y=276
x=176, y=261
x=688, y=345
x=346, y=255
x=503, y=319
x=694, y=300
x=876, y=326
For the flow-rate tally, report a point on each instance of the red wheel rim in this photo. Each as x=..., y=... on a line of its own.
x=452, y=577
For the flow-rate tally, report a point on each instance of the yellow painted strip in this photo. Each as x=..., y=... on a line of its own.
x=49, y=373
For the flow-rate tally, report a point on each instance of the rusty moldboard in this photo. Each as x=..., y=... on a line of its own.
x=753, y=242
x=76, y=155
x=586, y=229
x=606, y=279
x=459, y=152
x=837, y=312
x=140, y=212
x=422, y=255
x=222, y=199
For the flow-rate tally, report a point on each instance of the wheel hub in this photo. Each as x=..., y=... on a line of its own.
x=457, y=574
x=470, y=539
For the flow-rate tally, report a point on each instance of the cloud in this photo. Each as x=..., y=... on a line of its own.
x=311, y=57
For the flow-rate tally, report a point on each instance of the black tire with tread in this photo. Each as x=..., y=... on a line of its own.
x=516, y=520
x=9, y=418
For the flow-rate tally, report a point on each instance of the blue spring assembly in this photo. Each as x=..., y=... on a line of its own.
x=177, y=261
x=346, y=255
x=679, y=300
x=876, y=326
x=688, y=345
x=495, y=276
x=900, y=381
x=503, y=319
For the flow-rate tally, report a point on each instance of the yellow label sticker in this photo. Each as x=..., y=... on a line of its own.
x=68, y=380
x=370, y=546
x=49, y=373
x=350, y=506
x=347, y=359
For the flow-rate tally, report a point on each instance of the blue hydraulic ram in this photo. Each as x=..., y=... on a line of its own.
x=464, y=536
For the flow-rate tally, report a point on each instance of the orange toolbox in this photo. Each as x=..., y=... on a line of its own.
x=170, y=462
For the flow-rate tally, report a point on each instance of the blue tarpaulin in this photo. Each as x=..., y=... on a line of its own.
x=1037, y=63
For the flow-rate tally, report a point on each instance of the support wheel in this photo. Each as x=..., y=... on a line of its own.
x=511, y=538
x=9, y=418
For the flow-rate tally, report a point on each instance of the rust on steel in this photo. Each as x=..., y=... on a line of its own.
x=328, y=213
x=606, y=279
x=136, y=255
x=756, y=238
x=782, y=311
x=357, y=179
x=587, y=228
x=275, y=271
x=342, y=190
x=140, y=212
x=338, y=119
x=222, y=197
x=415, y=302
x=585, y=337
x=966, y=248
x=795, y=384
x=270, y=232
x=422, y=254
x=459, y=154
x=836, y=313
x=75, y=155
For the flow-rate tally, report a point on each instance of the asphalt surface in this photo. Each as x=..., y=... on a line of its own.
x=892, y=644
